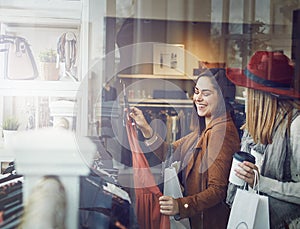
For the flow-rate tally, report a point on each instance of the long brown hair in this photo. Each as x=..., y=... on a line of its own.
x=262, y=111
x=225, y=90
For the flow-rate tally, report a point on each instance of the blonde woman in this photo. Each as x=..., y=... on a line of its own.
x=271, y=134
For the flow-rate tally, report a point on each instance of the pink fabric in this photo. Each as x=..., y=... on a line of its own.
x=146, y=191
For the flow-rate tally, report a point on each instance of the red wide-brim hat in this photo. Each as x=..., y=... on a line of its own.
x=266, y=71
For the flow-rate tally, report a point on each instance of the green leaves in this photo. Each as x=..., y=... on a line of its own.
x=10, y=123
x=48, y=56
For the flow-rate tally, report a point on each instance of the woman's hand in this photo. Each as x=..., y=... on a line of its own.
x=141, y=122
x=247, y=172
x=168, y=205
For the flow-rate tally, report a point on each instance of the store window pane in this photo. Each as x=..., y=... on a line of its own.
x=236, y=15
x=263, y=13
x=217, y=10
x=146, y=54
x=262, y=10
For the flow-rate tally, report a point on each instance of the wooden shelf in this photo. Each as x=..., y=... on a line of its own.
x=240, y=99
x=150, y=76
x=183, y=103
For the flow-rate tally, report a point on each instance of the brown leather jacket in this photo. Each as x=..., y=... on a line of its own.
x=205, y=174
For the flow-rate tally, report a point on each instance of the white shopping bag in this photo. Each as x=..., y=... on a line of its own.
x=262, y=218
x=249, y=210
x=172, y=188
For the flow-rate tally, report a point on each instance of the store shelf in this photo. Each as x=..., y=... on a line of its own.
x=240, y=99
x=182, y=103
x=38, y=88
x=42, y=23
x=150, y=76
x=66, y=16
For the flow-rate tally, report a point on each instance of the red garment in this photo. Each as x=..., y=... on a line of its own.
x=146, y=191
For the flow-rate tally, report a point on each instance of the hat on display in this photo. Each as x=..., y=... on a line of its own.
x=266, y=71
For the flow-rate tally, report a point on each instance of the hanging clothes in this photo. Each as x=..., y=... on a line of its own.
x=11, y=197
x=104, y=204
x=177, y=122
x=146, y=191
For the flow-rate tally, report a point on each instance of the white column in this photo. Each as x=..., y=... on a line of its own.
x=54, y=152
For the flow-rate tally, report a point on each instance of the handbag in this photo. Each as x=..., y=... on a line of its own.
x=19, y=63
x=172, y=188
x=249, y=209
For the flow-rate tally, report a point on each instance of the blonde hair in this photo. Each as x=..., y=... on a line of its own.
x=263, y=110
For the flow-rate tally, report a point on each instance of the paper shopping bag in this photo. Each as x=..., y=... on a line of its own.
x=171, y=183
x=172, y=188
x=249, y=210
x=262, y=219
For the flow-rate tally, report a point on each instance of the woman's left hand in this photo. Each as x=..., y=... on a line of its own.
x=247, y=172
x=168, y=205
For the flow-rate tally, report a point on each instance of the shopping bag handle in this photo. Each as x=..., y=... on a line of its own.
x=255, y=183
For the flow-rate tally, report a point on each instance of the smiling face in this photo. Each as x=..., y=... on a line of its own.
x=206, y=98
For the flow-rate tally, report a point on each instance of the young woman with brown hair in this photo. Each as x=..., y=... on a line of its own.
x=205, y=155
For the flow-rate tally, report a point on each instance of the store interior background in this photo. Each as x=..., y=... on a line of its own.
x=213, y=32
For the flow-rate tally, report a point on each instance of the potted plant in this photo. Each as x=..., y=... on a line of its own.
x=10, y=123
x=10, y=126
x=48, y=69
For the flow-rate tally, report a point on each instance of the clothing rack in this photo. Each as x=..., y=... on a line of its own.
x=104, y=205
x=11, y=198
x=177, y=121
